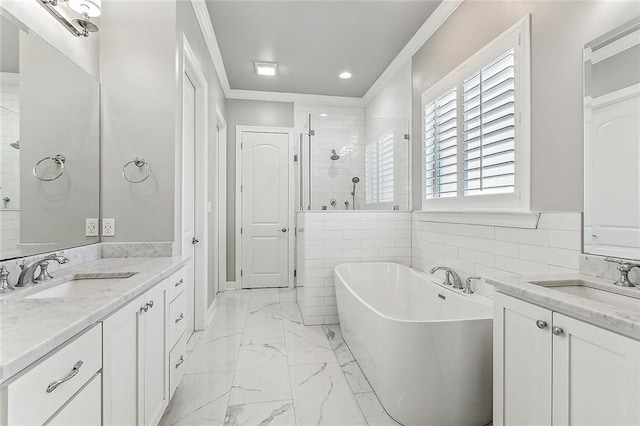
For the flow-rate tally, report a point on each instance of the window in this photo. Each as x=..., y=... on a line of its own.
x=475, y=129
x=379, y=170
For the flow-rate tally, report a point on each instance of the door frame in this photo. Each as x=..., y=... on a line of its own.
x=191, y=67
x=291, y=202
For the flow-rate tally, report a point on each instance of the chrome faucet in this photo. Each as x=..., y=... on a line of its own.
x=624, y=266
x=457, y=282
x=28, y=271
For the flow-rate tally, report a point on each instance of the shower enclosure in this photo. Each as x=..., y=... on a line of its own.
x=342, y=166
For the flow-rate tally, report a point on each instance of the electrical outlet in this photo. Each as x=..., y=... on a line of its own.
x=91, y=227
x=108, y=227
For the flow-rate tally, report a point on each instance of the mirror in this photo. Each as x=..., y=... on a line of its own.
x=612, y=143
x=49, y=145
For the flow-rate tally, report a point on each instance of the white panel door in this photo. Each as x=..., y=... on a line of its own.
x=265, y=216
x=596, y=375
x=188, y=193
x=522, y=363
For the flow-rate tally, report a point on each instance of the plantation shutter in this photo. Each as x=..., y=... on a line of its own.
x=489, y=128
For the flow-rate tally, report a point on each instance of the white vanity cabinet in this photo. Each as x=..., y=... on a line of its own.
x=136, y=359
x=550, y=369
x=60, y=388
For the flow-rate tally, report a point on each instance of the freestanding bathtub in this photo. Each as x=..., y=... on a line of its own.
x=425, y=348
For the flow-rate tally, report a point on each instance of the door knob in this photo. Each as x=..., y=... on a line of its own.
x=194, y=240
x=283, y=230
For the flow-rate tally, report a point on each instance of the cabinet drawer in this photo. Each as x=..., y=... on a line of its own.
x=32, y=396
x=177, y=318
x=177, y=282
x=177, y=358
x=84, y=409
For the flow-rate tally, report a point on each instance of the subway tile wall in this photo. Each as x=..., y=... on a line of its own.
x=390, y=111
x=494, y=251
x=336, y=127
x=327, y=239
x=9, y=160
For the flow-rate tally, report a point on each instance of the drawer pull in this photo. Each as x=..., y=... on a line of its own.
x=541, y=324
x=179, y=283
x=180, y=362
x=53, y=385
x=180, y=318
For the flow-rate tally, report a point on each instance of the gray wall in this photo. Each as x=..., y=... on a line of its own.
x=248, y=113
x=187, y=24
x=559, y=30
x=138, y=76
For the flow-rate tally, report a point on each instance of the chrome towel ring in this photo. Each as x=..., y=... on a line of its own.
x=138, y=162
x=58, y=158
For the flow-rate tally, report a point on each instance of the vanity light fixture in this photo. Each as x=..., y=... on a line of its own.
x=86, y=9
x=345, y=75
x=268, y=69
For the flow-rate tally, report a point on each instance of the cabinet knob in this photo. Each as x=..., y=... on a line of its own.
x=144, y=308
x=150, y=303
x=557, y=331
x=541, y=324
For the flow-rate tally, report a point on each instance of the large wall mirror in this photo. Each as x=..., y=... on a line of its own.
x=49, y=145
x=612, y=143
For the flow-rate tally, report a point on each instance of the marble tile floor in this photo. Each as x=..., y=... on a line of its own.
x=257, y=364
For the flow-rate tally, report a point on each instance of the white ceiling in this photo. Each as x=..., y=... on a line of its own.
x=313, y=41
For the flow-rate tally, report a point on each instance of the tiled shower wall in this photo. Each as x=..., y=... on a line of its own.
x=9, y=159
x=327, y=239
x=336, y=127
x=390, y=111
x=554, y=247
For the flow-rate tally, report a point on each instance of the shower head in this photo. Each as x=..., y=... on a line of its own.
x=15, y=144
x=334, y=155
x=355, y=179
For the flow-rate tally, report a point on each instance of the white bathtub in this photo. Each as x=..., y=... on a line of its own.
x=426, y=349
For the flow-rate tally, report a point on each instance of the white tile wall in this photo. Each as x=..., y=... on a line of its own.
x=494, y=252
x=341, y=129
x=390, y=109
x=327, y=239
x=9, y=159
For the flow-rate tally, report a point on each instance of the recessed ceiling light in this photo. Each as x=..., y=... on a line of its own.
x=323, y=115
x=345, y=75
x=268, y=69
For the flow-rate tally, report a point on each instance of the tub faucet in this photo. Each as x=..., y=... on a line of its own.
x=28, y=271
x=457, y=282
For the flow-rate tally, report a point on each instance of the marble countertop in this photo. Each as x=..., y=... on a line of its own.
x=618, y=320
x=30, y=328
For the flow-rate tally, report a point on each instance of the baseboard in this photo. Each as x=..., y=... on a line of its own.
x=231, y=285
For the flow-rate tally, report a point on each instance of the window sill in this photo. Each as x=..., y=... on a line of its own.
x=506, y=219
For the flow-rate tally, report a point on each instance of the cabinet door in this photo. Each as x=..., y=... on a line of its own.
x=155, y=336
x=83, y=409
x=522, y=363
x=596, y=375
x=121, y=365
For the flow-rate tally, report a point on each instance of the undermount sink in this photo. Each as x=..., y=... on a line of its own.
x=82, y=285
x=623, y=298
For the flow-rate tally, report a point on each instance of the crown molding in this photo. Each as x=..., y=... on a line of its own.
x=437, y=18
x=204, y=20
x=256, y=95
x=430, y=26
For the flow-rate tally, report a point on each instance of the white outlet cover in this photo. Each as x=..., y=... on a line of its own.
x=92, y=227
x=108, y=227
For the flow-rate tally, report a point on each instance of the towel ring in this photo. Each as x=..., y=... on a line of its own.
x=58, y=158
x=138, y=162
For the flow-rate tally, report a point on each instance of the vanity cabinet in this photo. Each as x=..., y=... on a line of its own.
x=551, y=369
x=60, y=388
x=136, y=359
